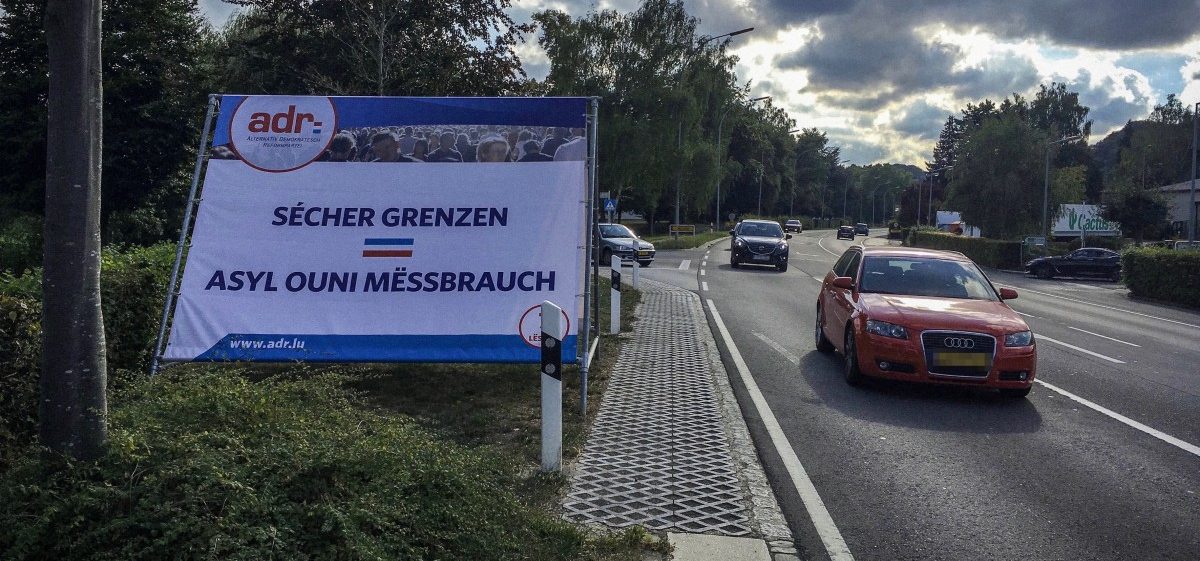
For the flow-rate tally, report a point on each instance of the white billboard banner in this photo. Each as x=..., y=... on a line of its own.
x=1076, y=220
x=361, y=260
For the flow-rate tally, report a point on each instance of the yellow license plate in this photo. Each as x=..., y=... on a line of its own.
x=644, y=253
x=960, y=359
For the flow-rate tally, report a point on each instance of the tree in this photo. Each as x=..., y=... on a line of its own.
x=73, y=408
x=1000, y=167
x=372, y=47
x=1141, y=212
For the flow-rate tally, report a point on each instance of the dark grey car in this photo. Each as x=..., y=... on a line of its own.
x=619, y=240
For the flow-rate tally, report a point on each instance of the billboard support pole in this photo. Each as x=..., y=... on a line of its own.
x=591, y=296
x=172, y=286
x=552, y=407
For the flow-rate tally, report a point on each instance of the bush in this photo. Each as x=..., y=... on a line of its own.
x=20, y=363
x=209, y=465
x=986, y=252
x=1162, y=274
x=133, y=283
x=21, y=244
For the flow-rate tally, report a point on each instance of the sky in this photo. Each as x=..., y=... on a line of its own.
x=881, y=77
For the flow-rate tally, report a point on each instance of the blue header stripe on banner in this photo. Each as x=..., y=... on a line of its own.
x=403, y=111
x=389, y=241
x=379, y=348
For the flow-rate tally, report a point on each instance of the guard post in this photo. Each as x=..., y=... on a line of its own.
x=637, y=250
x=552, y=329
x=614, y=305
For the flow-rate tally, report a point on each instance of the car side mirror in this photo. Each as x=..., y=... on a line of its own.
x=843, y=282
x=787, y=236
x=1008, y=294
x=732, y=232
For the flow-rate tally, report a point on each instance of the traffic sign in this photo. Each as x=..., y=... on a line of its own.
x=683, y=229
x=610, y=205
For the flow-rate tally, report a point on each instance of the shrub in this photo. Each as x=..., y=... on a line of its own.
x=133, y=282
x=986, y=252
x=1163, y=274
x=210, y=465
x=21, y=244
x=20, y=363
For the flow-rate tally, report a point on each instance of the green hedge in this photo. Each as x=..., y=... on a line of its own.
x=209, y=465
x=986, y=252
x=1163, y=274
x=132, y=283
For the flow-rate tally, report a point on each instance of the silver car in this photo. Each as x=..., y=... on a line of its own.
x=619, y=240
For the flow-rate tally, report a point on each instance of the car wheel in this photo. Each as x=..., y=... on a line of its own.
x=1115, y=276
x=823, y=343
x=1045, y=272
x=782, y=267
x=606, y=257
x=854, y=376
x=1015, y=393
x=733, y=262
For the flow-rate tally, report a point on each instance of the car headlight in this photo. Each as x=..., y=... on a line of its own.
x=1018, y=339
x=738, y=242
x=886, y=329
x=782, y=247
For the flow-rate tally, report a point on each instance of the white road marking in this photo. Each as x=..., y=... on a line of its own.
x=1186, y=446
x=1080, y=349
x=704, y=286
x=702, y=273
x=1080, y=285
x=704, y=263
x=1103, y=336
x=806, y=255
x=835, y=546
x=819, y=240
x=1028, y=315
x=816, y=278
x=1098, y=305
x=685, y=265
x=778, y=348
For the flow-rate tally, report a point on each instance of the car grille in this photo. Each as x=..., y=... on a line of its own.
x=958, y=343
x=761, y=248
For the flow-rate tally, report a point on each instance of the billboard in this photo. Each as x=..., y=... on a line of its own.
x=1078, y=220
x=310, y=245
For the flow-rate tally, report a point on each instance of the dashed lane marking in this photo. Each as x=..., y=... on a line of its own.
x=1183, y=445
x=1122, y=310
x=1080, y=349
x=685, y=265
x=1103, y=336
x=778, y=348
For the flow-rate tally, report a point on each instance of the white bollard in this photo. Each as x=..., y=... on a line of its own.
x=552, y=329
x=614, y=309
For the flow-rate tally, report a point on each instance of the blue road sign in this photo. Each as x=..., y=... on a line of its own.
x=610, y=205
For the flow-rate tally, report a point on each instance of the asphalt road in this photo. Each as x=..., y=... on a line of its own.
x=924, y=472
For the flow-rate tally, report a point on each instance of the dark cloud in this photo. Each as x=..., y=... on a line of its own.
x=997, y=76
x=921, y=120
x=860, y=100
x=1106, y=109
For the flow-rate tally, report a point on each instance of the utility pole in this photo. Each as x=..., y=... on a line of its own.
x=1046, y=184
x=1192, y=206
x=721, y=122
x=929, y=221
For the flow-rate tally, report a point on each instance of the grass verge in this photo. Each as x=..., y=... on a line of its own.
x=685, y=241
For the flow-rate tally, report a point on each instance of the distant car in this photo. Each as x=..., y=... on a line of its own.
x=619, y=240
x=845, y=232
x=759, y=242
x=793, y=226
x=922, y=315
x=1083, y=262
x=861, y=229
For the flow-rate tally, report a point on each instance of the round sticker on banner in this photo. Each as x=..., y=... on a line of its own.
x=282, y=133
x=530, y=326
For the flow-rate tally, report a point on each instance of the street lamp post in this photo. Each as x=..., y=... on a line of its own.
x=1192, y=207
x=929, y=221
x=679, y=135
x=1046, y=184
x=720, y=123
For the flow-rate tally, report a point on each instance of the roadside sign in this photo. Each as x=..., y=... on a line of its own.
x=610, y=205
x=683, y=229
x=1035, y=240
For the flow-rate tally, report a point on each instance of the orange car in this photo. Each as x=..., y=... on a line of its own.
x=925, y=316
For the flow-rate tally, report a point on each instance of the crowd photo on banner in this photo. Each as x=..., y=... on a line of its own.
x=449, y=144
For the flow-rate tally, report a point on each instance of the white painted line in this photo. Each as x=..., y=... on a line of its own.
x=685, y=265
x=819, y=240
x=704, y=286
x=1186, y=446
x=816, y=278
x=1103, y=336
x=1082, y=350
x=1080, y=285
x=835, y=546
x=702, y=273
x=704, y=263
x=1097, y=305
x=807, y=255
x=1028, y=315
x=778, y=348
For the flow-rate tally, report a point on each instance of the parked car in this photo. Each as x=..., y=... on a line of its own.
x=1085, y=261
x=793, y=226
x=861, y=229
x=845, y=232
x=759, y=242
x=619, y=240
x=923, y=315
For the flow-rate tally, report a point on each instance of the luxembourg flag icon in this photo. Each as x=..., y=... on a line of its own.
x=387, y=247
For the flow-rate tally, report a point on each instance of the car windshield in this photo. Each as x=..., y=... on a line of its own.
x=793, y=221
x=615, y=231
x=762, y=229
x=925, y=277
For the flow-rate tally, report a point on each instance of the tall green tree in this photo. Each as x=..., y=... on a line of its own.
x=999, y=167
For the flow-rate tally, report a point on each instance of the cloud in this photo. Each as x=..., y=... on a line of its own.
x=921, y=120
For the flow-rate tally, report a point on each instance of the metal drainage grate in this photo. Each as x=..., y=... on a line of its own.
x=658, y=454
